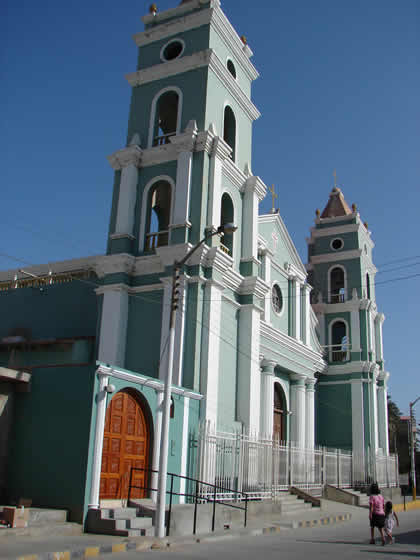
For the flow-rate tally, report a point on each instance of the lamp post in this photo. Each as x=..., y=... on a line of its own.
x=413, y=447
x=163, y=458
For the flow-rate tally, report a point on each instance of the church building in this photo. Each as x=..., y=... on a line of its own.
x=264, y=345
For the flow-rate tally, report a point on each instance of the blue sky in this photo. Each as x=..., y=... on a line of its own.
x=338, y=88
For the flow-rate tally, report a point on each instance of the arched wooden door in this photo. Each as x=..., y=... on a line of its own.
x=126, y=445
x=279, y=420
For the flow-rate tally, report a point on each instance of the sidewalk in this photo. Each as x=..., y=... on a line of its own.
x=88, y=545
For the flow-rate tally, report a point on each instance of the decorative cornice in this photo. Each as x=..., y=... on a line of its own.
x=297, y=349
x=232, y=279
x=119, y=287
x=253, y=286
x=217, y=259
x=294, y=272
x=159, y=19
x=220, y=70
x=114, y=264
x=221, y=149
x=336, y=257
x=185, y=142
x=121, y=236
x=143, y=380
x=255, y=185
x=131, y=155
x=327, y=232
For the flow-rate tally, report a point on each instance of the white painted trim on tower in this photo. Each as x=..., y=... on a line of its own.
x=113, y=331
x=343, y=268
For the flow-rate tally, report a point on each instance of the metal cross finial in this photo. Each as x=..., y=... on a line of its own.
x=335, y=178
x=274, y=196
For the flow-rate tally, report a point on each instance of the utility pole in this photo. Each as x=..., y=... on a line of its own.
x=164, y=442
x=413, y=447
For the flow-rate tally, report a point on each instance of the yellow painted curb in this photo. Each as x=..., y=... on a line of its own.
x=91, y=551
x=408, y=506
x=121, y=547
x=62, y=555
x=29, y=557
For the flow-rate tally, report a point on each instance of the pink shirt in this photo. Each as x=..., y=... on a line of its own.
x=376, y=503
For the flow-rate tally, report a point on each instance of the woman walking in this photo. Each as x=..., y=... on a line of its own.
x=376, y=513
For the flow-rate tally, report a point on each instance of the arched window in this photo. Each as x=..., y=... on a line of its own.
x=158, y=215
x=231, y=68
x=339, y=342
x=279, y=414
x=337, y=285
x=166, y=118
x=227, y=217
x=229, y=130
x=367, y=286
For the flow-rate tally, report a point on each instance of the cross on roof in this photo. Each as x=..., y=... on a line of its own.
x=274, y=196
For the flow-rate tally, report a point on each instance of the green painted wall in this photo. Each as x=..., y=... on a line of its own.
x=333, y=416
x=143, y=333
x=50, y=438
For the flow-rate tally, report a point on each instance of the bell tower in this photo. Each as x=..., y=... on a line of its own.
x=190, y=112
x=352, y=392
x=185, y=171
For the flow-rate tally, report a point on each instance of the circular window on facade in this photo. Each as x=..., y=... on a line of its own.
x=276, y=298
x=337, y=244
x=172, y=50
x=231, y=68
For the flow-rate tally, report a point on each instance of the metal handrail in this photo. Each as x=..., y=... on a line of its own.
x=196, y=496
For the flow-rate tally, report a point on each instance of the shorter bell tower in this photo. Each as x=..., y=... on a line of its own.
x=351, y=396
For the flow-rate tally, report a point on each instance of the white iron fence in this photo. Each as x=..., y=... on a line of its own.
x=263, y=467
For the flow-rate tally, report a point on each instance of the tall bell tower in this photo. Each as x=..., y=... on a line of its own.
x=186, y=170
x=352, y=392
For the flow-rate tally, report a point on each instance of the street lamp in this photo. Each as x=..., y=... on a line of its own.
x=413, y=447
x=163, y=458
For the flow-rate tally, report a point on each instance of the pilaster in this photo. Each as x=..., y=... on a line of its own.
x=383, y=411
x=298, y=404
x=267, y=398
x=113, y=331
x=310, y=414
x=249, y=384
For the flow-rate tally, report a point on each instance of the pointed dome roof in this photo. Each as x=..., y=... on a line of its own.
x=336, y=206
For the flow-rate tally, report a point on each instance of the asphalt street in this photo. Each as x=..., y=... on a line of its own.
x=344, y=541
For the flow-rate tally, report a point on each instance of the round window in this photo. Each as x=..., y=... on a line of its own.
x=277, y=298
x=337, y=244
x=231, y=68
x=172, y=50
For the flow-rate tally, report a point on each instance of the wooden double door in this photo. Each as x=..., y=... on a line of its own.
x=126, y=445
x=279, y=419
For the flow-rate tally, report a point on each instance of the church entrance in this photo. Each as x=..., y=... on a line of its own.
x=126, y=445
x=279, y=420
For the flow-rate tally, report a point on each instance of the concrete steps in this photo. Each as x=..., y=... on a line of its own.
x=122, y=522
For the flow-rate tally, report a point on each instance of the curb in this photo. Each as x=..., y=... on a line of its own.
x=131, y=546
x=408, y=506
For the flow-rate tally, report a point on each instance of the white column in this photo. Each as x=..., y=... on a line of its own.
x=298, y=398
x=210, y=350
x=307, y=325
x=374, y=410
x=254, y=192
x=99, y=441
x=127, y=200
x=156, y=443
x=184, y=449
x=379, y=319
x=127, y=160
x=183, y=188
x=267, y=279
x=297, y=297
x=383, y=412
x=372, y=334
x=310, y=414
x=249, y=386
x=358, y=428
x=267, y=398
x=219, y=153
x=355, y=330
x=113, y=333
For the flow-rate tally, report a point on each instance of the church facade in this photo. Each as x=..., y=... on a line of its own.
x=263, y=345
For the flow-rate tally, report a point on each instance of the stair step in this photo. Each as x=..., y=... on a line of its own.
x=118, y=513
x=136, y=523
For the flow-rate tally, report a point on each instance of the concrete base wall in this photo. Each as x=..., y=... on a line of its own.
x=339, y=495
